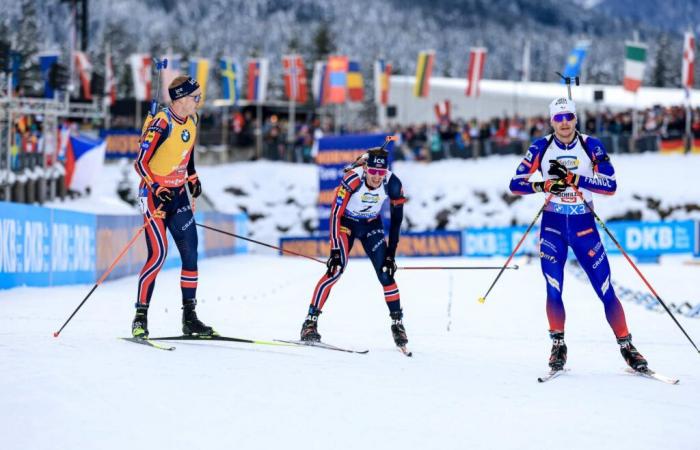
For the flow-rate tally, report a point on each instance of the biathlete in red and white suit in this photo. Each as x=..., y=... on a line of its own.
x=356, y=215
x=166, y=166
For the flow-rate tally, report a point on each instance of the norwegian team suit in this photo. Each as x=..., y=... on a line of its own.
x=567, y=222
x=166, y=159
x=355, y=215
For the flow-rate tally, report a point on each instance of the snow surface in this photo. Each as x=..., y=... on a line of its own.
x=280, y=196
x=471, y=387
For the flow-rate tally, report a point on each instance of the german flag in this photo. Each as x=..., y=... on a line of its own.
x=424, y=69
x=672, y=145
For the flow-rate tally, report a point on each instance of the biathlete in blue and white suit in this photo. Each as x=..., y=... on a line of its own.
x=572, y=165
x=356, y=215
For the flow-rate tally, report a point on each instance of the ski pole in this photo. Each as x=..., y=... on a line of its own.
x=513, y=267
x=160, y=65
x=634, y=266
x=108, y=271
x=260, y=243
x=515, y=250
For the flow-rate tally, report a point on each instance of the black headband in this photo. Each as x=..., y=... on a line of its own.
x=183, y=89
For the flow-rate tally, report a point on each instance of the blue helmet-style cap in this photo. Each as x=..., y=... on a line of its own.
x=378, y=158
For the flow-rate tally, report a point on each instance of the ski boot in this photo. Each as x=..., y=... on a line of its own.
x=632, y=357
x=139, y=327
x=190, y=323
x=558, y=357
x=398, y=332
x=309, y=329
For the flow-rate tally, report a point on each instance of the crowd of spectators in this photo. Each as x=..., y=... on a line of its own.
x=460, y=138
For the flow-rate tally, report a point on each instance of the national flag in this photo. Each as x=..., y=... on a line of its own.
x=258, y=70
x=336, y=79
x=382, y=73
x=110, y=93
x=424, y=68
x=672, y=145
x=141, y=75
x=168, y=74
x=84, y=161
x=84, y=70
x=317, y=82
x=295, y=78
x=230, y=83
x=356, y=85
x=46, y=60
x=635, y=62
x=443, y=110
x=199, y=70
x=575, y=60
x=525, y=75
x=688, y=72
x=477, y=58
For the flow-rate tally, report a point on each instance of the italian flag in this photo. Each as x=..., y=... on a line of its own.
x=635, y=60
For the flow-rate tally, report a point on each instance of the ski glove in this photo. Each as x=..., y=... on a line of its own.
x=556, y=187
x=164, y=194
x=559, y=170
x=333, y=262
x=389, y=266
x=194, y=185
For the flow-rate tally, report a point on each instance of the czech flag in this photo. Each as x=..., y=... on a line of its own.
x=85, y=158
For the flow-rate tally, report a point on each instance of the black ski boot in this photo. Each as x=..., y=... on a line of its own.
x=558, y=357
x=190, y=323
x=139, y=327
x=633, y=358
x=398, y=332
x=309, y=329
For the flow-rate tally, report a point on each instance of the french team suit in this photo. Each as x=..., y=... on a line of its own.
x=356, y=215
x=567, y=222
x=166, y=159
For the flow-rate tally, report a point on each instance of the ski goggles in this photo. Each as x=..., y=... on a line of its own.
x=561, y=116
x=375, y=171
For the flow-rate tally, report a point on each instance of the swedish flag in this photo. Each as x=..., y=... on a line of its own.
x=230, y=84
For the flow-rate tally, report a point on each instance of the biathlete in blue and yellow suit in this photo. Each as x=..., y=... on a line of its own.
x=572, y=165
x=166, y=166
x=356, y=215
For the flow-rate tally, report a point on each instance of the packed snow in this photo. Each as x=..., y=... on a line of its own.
x=473, y=386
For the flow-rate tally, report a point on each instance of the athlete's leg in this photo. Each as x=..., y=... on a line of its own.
x=375, y=247
x=592, y=257
x=183, y=229
x=157, y=245
x=553, y=253
x=325, y=284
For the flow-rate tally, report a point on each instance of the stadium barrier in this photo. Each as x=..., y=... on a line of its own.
x=49, y=247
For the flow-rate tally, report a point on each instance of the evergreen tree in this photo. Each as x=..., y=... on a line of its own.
x=667, y=64
x=26, y=42
x=323, y=42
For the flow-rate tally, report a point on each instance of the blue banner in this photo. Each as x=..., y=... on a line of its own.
x=121, y=143
x=45, y=63
x=48, y=247
x=639, y=239
x=334, y=153
x=429, y=243
x=42, y=247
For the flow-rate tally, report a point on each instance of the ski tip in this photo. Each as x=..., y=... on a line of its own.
x=482, y=300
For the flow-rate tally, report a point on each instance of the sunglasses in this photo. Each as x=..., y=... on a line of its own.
x=196, y=98
x=373, y=171
x=561, y=116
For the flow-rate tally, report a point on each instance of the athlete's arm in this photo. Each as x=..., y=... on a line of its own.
x=349, y=184
x=396, y=200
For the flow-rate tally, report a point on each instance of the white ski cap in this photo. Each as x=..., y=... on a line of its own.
x=560, y=105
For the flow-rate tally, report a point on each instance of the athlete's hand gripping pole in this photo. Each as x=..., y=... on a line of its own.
x=110, y=268
x=634, y=266
x=515, y=250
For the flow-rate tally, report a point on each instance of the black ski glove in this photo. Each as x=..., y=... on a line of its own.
x=389, y=266
x=559, y=170
x=195, y=186
x=164, y=194
x=333, y=262
x=556, y=187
